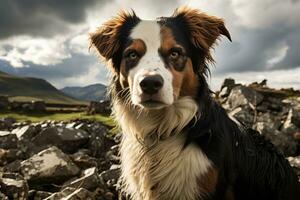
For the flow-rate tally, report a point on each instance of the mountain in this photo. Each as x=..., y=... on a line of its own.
x=26, y=89
x=95, y=92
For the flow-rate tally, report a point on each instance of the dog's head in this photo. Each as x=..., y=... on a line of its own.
x=162, y=60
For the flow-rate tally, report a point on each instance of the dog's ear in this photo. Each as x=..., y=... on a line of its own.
x=110, y=36
x=203, y=30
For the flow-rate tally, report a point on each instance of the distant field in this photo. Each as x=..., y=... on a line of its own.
x=57, y=117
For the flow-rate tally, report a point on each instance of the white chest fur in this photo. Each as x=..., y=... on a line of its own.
x=166, y=171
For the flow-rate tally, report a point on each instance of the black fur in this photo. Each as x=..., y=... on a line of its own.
x=249, y=166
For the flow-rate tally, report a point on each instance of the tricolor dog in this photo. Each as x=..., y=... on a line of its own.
x=177, y=142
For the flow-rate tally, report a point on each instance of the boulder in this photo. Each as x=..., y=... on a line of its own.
x=68, y=140
x=89, y=180
x=72, y=194
x=101, y=107
x=48, y=166
x=26, y=132
x=14, y=186
x=244, y=96
x=83, y=160
x=295, y=163
x=38, y=195
x=245, y=116
x=6, y=123
x=8, y=140
x=292, y=122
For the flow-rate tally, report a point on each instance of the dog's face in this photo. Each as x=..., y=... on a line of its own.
x=159, y=61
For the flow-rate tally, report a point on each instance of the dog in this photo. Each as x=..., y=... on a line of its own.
x=177, y=142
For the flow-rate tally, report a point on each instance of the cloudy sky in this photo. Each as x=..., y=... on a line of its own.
x=49, y=38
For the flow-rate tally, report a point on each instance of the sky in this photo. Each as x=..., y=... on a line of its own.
x=49, y=38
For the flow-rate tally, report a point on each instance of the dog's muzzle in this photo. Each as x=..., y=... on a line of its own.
x=151, y=84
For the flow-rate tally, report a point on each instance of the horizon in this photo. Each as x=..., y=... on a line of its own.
x=54, y=47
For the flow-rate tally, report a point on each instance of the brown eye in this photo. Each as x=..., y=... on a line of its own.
x=132, y=55
x=174, y=55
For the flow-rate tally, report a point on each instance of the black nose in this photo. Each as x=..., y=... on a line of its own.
x=151, y=84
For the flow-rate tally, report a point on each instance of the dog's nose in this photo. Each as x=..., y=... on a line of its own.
x=152, y=84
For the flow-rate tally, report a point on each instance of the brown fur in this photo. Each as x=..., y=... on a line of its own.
x=203, y=29
x=185, y=82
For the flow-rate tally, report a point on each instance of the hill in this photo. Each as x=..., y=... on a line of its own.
x=95, y=92
x=26, y=89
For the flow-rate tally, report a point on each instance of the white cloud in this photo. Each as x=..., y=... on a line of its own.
x=266, y=13
x=40, y=51
x=79, y=44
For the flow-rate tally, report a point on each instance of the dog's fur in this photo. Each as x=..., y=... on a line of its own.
x=179, y=143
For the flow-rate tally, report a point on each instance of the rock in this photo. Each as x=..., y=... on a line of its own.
x=99, y=142
x=102, y=107
x=6, y=123
x=38, y=195
x=243, y=115
x=68, y=140
x=14, y=166
x=14, y=187
x=291, y=124
x=26, y=132
x=8, y=155
x=229, y=83
x=72, y=194
x=295, y=163
x=82, y=160
x=8, y=140
x=285, y=143
x=38, y=106
x=243, y=96
x=89, y=180
x=3, y=196
x=269, y=120
x=111, y=174
x=48, y=166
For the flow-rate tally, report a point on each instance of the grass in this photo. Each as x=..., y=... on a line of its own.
x=38, y=117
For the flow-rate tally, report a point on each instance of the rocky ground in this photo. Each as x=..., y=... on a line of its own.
x=54, y=160
x=79, y=159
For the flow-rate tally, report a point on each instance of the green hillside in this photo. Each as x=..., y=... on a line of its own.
x=27, y=89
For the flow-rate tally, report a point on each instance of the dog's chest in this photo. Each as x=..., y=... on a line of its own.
x=165, y=171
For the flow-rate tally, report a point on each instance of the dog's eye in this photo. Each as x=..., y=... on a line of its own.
x=174, y=55
x=132, y=55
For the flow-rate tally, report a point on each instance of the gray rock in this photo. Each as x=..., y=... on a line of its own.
x=38, y=195
x=68, y=140
x=14, y=187
x=243, y=115
x=111, y=174
x=292, y=122
x=26, y=132
x=83, y=160
x=285, y=143
x=89, y=180
x=3, y=196
x=8, y=140
x=72, y=194
x=269, y=120
x=6, y=123
x=50, y=165
x=295, y=163
x=243, y=96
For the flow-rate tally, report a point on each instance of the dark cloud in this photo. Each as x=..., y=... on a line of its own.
x=40, y=17
x=78, y=66
x=252, y=50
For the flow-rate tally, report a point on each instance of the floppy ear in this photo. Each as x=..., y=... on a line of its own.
x=109, y=37
x=203, y=29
